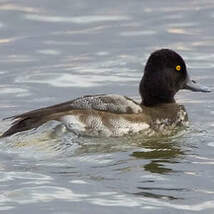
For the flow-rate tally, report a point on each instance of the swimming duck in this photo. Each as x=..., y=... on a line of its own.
x=165, y=74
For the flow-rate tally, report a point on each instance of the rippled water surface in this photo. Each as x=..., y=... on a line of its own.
x=53, y=51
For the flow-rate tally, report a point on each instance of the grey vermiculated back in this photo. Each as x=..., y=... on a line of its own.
x=107, y=102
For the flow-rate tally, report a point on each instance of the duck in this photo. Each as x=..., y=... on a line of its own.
x=113, y=115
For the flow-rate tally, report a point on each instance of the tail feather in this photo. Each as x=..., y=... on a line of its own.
x=35, y=118
x=24, y=124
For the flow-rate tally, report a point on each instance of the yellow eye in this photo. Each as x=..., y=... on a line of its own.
x=178, y=67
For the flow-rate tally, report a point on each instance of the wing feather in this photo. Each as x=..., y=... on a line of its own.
x=111, y=103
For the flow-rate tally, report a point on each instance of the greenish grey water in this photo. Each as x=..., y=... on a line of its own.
x=53, y=51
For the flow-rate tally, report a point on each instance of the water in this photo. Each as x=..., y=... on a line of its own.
x=55, y=51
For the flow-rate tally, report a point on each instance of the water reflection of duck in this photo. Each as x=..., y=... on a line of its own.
x=159, y=156
x=159, y=151
x=115, y=115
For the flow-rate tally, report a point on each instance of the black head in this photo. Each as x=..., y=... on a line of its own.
x=165, y=73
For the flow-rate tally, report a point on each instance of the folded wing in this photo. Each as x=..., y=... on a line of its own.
x=111, y=103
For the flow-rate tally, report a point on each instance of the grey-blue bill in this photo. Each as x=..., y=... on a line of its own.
x=193, y=86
